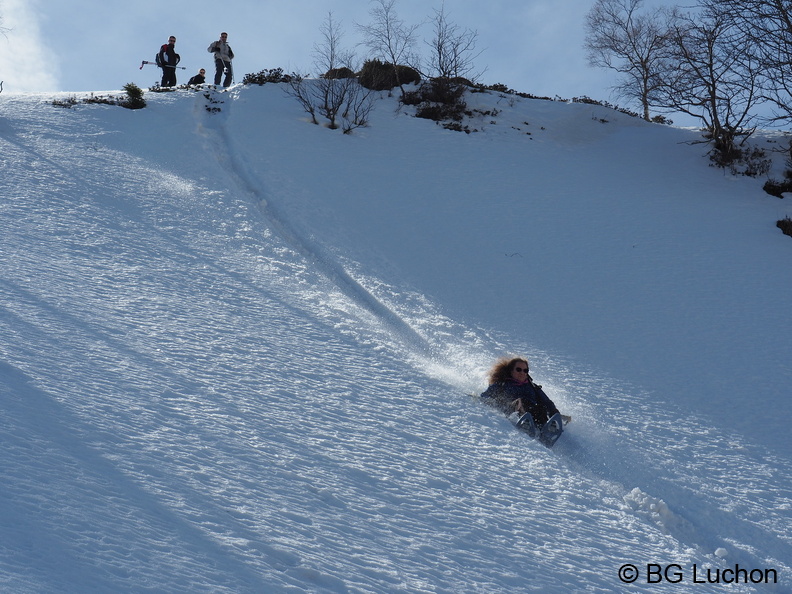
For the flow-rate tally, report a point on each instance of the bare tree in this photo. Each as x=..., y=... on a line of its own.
x=709, y=74
x=452, y=49
x=300, y=90
x=357, y=107
x=329, y=56
x=766, y=28
x=620, y=38
x=389, y=38
x=335, y=94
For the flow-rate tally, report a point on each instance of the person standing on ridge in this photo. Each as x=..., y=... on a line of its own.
x=223, y=54
x=168, y=58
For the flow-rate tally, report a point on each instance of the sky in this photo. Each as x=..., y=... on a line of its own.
x=532, y=46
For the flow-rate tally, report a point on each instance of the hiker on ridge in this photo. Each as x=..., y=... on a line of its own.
x=223, y=54
x=168, y=58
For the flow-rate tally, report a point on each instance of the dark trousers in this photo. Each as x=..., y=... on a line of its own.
x=220, y=66
x=168, y=76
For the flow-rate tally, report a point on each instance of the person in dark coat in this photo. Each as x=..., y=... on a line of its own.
x=168, y=58
x=198, y=79
x=512, y=390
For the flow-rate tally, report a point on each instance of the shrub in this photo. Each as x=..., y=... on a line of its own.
x=67, y=103
x=785, y=225
x=335, y=73
x=134, y=98
x=661, y=119
x=747, y=161
x=100, y=100
x=383, y=76
x=500, y=88
x=777, y=188
x=344, y=102
x=440, y=99
x=157, y=88
x=273, y=75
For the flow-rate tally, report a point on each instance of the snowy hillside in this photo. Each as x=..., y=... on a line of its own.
x=236, y=352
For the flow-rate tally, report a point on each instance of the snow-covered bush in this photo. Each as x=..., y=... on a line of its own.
x=133, y=100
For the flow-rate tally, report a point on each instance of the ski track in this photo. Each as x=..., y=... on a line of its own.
x=155, y=445
x=248, y=184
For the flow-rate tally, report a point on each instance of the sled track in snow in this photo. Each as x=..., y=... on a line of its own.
x=213, y=120
x=731, y=480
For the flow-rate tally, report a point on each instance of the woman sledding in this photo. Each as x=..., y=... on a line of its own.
x=512, y=390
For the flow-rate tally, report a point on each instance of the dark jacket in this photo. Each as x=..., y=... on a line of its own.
x=168, y=55
x=533, y=399
x=198, y=79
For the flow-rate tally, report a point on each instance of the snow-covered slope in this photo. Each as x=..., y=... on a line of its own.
x=236, y=348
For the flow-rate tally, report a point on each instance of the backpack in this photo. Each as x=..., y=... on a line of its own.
x=157, y=59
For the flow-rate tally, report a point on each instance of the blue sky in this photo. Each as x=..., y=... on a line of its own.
x=533, y=46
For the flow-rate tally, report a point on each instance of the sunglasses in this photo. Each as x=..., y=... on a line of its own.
x=521, y=370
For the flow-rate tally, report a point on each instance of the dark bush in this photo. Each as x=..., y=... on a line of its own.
x=661, y=119
x=377, y=76
x=448, y=91
x=785, y=225
x=339, y=73
x=67, y=103
x=727, y=154
x=272, y=75
x=134, y=98
x=500, y=88
x=157, y=88
x=383, y=76
x=440, y=99
x=407, y=75
x=777, y=188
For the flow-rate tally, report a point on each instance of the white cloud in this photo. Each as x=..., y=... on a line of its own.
x=26, y=63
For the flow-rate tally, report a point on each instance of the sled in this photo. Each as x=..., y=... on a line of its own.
x=549, y=433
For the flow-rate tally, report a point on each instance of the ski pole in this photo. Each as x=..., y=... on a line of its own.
x=225, y=69
x=144, y=62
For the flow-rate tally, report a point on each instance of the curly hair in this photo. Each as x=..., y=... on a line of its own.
x=502, y=370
